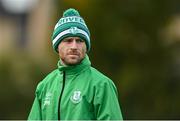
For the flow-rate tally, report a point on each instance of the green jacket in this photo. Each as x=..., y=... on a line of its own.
x=76, y=92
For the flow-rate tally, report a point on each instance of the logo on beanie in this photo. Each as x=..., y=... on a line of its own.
x=67, y=20
x=73, y=30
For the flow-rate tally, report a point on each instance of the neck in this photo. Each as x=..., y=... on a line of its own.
x=72, y=69
x=62, y=63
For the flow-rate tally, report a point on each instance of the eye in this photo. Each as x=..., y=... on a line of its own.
x=68, y=40
x=79, y=40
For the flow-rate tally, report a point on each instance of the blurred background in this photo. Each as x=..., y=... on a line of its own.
x=134, y=42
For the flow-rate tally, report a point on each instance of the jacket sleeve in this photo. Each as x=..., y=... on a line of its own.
x=106, y=102
x=35, y=113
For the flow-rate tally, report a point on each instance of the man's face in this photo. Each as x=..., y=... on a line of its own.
x=72, y=50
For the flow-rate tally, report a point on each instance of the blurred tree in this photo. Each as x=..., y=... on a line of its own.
x=126, y=45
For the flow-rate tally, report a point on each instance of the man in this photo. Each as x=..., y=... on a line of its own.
x=75, y=90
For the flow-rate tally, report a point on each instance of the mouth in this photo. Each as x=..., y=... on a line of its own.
x=73, y=55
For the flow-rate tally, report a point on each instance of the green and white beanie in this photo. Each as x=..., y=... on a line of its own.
x=70, y=25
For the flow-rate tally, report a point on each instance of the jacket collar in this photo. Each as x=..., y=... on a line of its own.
x=76, y=68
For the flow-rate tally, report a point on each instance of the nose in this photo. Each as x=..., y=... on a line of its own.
x=74, y=44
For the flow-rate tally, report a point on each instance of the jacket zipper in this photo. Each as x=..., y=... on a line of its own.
x=63, y=85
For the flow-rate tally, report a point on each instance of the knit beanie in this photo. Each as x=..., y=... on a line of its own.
x=70, y=25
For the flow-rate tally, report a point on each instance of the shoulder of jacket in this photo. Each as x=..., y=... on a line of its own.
x=99, y=76
x=47, y=79
x=102, y=81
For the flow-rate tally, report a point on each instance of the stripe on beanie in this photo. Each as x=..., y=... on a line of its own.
x=72, y=30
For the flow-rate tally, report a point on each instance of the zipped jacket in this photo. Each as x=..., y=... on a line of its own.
x=76, y=93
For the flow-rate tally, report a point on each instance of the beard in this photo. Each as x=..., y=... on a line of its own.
x=73, y=57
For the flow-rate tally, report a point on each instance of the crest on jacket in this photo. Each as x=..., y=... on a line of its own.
x=76, y=97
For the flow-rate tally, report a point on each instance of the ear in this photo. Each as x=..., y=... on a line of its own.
x=58, y=47
x=86, y=48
